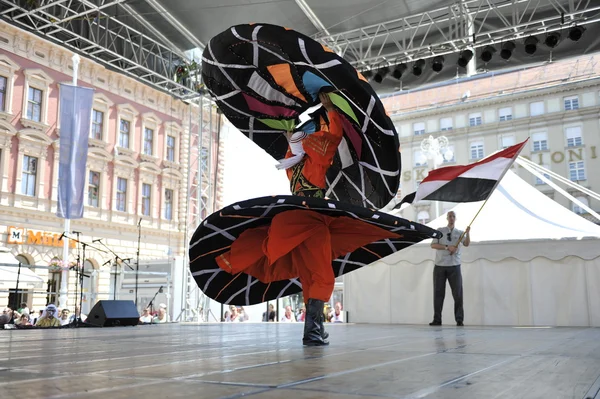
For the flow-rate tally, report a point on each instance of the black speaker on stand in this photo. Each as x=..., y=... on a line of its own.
x=113, y=314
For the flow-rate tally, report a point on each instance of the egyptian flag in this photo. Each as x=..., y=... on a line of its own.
x=465, y=183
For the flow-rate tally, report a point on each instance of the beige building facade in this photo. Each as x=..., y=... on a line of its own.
x=556, y=106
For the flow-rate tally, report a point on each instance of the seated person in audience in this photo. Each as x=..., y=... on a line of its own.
x=336, y=316
x=76, y=315
x=24, y=320
x=162, y=316
x=288, y=316
x=48, y=318
x=146, y=318
x=234, y=315
x=35, y=318
x=267, y=316
x=64, y=317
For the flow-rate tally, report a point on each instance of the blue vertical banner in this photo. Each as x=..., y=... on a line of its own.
x=75, y=118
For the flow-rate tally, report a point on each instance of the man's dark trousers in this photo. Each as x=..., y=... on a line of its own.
x=454, y=277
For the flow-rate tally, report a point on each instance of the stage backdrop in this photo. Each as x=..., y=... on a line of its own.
x=531, y=262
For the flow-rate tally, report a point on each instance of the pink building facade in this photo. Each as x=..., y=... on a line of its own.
x=138, y=157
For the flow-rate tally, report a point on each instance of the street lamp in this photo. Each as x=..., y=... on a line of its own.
x=437, y=151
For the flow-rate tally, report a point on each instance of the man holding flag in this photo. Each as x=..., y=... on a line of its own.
x=447, y=267
x=460, y=183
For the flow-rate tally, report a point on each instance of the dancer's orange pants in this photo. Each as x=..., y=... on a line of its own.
x=299, y=243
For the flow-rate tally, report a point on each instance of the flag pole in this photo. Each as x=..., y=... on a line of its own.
x=474, y=217
x=64, y=280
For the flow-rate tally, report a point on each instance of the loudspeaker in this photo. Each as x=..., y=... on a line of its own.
x=113, y=313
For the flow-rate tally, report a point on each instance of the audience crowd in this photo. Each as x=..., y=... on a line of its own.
x=237, y=314
x=52, y=316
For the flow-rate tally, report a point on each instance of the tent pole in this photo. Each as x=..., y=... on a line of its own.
x=560, y=190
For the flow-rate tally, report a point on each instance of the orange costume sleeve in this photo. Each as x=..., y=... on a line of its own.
x=299, y=243
x=320, y=148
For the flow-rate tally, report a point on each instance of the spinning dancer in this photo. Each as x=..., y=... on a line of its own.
x=303, y=243
x=309, y=156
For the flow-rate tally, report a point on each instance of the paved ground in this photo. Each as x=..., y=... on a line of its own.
x=268, y=361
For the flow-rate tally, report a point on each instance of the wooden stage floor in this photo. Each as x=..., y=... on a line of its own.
x=268, y=361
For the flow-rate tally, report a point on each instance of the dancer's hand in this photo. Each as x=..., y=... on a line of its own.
x=326, y=101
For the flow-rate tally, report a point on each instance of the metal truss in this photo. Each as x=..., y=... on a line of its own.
x=93, y=30
x=460, y=25
x=202, y=191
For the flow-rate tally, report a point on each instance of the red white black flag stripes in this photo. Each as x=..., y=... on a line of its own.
x=465, y=183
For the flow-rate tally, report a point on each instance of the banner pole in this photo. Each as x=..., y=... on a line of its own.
x=64, y=280
x=474, y=217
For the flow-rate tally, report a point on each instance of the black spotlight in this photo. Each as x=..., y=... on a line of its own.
x=381, y=74
x=399, y=71
x=438, y=64
x=552, y=39
x=531, y=45
x=576, y=32
x=487, y=53
x=464, y=58
x=507, y=50
x=367, y=74
x=418, y=67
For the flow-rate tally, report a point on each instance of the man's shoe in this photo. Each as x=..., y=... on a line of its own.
x=435, y=323
x=460, y=324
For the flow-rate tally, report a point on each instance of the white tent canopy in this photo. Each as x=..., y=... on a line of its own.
x=531, y=262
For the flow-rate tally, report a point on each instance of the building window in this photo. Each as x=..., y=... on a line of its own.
x=508, y=141
x=171, y=148
x=146, y=196
x=124, y=133
x=574, y=138
x=571, y=103
x=445, y=124
x=121, y=194
x=419, y=128
x=97, y=124
x=476, y=150
x=34, y=105
x=29, y=175
x=423, y=217
x=579, y=210
x=148, y=141
x=420, y=159
x=93, y=189
x=168, y=204
x=3, y=89
x=538, y=181
x=577, y=171
x=536, y=108
x=475, y=119
x=505, y=114
x=540, y=141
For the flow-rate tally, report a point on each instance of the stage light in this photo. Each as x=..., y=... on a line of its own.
x=552, y=39
x=381, y=74
x=487, y=53
x=438, y=64
x=464, y=58
x=418, y=67
x=576, y=32
x=399, y=71
x=507, y=50
x=531, y=45
x=367, y=74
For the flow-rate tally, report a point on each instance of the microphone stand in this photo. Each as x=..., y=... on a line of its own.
x=116, y=263
x=137, y=264
x=151, y=304
x=77, y=322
